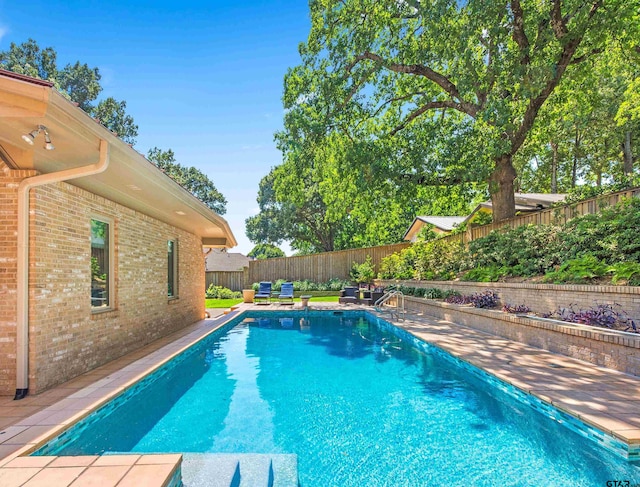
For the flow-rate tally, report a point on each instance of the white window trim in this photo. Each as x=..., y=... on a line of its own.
x=111, y=253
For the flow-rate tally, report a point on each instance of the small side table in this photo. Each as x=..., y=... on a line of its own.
x=304, y=300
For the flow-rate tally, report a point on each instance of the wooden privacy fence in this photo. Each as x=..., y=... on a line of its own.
x=329, y=265
x=234, y=280
x=558, y=215
x=317, y=267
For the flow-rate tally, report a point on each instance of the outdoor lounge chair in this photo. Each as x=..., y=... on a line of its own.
x=286, y=293
x=350, y=294
x=263, y=296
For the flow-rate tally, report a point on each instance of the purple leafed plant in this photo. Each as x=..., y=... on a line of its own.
x=518, y=308
x=486, y=299
x=458, y=299
x=602, y=315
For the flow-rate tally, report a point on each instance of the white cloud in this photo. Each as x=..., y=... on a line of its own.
x=3, y=31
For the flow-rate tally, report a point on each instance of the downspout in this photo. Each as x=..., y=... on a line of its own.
x=22, y=318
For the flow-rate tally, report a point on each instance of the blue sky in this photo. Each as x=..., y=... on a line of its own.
x=204, y=79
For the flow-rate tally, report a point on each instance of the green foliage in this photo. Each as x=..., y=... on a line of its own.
x=481, y=218
x=28, y=59
x=112, y=114
x=526, y=251
x=586, y=247
x=266, y=251
x=486, y=274
x=628, y=272
x=96, y=273
x=426, y=234
x=79, y=82
x=442, y=92
x=578, y=270
x=438, y=259
x=307, y=285
x=363, y=273
x=190, y=178
x=219, y=292
x=611, y=235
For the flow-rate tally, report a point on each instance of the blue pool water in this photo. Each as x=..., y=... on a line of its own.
x=358, y=405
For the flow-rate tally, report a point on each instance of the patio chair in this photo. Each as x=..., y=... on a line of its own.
x=286, y=293
x=370, y=297
x=263, y=296
x=350, y=294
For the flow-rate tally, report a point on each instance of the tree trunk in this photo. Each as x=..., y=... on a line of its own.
x=554, y=167
x=574, y=170
x=501, y=188
x=628, y=155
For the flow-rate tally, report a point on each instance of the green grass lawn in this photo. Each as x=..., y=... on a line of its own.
x=227, y=303
x=221, y=303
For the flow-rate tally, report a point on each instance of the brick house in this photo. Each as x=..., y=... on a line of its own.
x=100, y=251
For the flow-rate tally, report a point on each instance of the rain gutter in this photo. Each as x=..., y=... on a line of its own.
x=22, y=318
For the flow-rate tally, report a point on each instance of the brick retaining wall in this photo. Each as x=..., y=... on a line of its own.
x=544, y=298
x=614, y=350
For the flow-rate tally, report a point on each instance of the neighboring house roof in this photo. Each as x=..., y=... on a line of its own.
x=442, y=223
x=525, y=202
x=218, y=260
x=130, y=179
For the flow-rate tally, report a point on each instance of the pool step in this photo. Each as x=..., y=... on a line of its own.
x=239, y=470
x=230, y=310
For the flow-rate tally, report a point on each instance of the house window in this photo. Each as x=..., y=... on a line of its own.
x=100, y=264
x=172, y=268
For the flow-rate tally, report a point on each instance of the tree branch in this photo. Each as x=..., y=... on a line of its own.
x=429, y=106
x=536, y=103
x=586, y=56
x=519, y=35
x=557, y=22
x=424, y=71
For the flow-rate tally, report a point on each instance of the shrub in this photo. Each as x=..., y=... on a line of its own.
x=610, y=235
x=407, y=290
x=419, y=292
x=439, y=259
x=363, y=273
x=219, y=292
x=628, y=272
x=578, y=270
x=524, y=251
x=336, y=284
x=492, y=273
x=434, y=293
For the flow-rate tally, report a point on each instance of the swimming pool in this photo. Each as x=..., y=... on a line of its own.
x=356, y=401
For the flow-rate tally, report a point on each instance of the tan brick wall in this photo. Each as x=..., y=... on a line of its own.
x=544, y=298
x=66, y=338
x=616, y=351
x=9, y=181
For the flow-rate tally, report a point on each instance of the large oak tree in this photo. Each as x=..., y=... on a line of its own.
x=482, y=68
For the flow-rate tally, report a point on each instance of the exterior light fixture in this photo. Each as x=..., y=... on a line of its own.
x=31, y=136
x=47, y=140
x=28, y=138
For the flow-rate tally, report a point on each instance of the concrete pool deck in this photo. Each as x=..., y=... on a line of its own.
x=603, y=398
